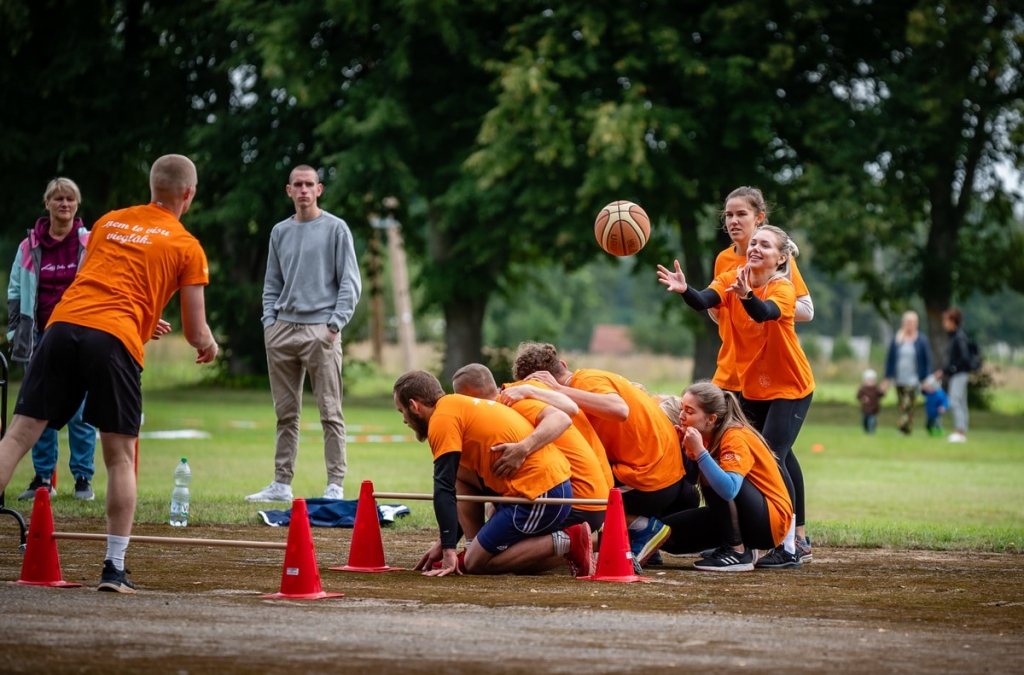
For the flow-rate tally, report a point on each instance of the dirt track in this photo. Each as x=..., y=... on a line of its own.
x=198, y=610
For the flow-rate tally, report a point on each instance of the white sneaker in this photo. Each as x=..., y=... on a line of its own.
x=334, y=491
x=275, y=492
x=956, y=437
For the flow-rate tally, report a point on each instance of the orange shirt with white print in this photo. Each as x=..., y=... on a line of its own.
x=727, y=375
x=137, y=259
x=473, y=426
x=588, y=481
x=742, y=452
x=582, y=424
x=768, y=356
x=644, y=449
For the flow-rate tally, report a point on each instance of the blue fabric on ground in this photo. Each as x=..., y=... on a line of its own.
x=334, y=513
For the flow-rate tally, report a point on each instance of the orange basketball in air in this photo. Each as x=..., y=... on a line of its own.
x=622, y=228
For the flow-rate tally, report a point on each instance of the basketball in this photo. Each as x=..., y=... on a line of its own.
x=622, y=228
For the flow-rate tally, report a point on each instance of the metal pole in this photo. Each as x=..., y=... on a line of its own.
x=494, y=499
x=175, y=541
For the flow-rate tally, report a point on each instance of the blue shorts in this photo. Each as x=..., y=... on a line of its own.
x=512, y=523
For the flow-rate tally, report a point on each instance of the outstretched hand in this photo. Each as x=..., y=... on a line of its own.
x=675, y=282
x=741, y=287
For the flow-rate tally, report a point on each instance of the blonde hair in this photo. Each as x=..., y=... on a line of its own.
x=909, y=315
x=171, y=175
x=61, y=184
x=787, y=247
x=671, y=405
x=713, y=400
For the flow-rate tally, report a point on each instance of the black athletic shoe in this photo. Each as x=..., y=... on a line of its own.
x=727, y=559
x=115, y=581
x=83, y=490
x=778, y=559
x=37, y=482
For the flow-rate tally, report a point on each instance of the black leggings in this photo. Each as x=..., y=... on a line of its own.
x=675, y=497
x=779, y=421
x=744, y=520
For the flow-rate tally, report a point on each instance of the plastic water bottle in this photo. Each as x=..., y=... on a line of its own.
x=179, y=497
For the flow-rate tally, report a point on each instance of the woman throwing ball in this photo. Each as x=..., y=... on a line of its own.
x=759, y=302
x=747, y=505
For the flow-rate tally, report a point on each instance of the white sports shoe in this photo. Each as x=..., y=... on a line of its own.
x=334, y=491
x=956, y=437
x=275, y=492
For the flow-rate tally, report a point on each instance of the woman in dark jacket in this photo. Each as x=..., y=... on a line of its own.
x=958, y=370
x=907, y=365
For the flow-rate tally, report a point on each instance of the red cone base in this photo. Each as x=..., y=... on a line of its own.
x=41, y=566
x=615, y=559
x=300, y=579
x=366, y=553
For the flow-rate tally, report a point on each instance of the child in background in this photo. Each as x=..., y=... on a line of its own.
x=935, y=404
x=869, y=396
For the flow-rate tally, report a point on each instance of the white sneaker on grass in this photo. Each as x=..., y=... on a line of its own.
x=334, y=491
x=957, y=437
x=275, y=492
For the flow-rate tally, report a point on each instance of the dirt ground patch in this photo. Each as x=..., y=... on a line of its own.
x=199, y=610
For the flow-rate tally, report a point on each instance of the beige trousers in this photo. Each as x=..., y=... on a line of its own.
x=292, y=350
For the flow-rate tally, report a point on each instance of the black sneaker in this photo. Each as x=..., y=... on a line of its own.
x=114, y=581
x=83, y=490
x=37, y=482
x=727, y=559
x=778, y=559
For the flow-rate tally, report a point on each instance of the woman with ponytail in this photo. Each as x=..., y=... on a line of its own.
x=776, y=384
x=747, y=505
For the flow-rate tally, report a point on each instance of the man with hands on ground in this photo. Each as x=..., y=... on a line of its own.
x=522, y=538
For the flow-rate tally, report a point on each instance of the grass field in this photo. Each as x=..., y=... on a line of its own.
x=880, y=490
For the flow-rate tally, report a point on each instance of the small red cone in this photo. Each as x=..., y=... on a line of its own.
x=300, y=579
x=367, y=550
x=41, y=565
x=615, y=559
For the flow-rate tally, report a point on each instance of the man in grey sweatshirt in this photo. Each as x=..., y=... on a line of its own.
x=309, y=294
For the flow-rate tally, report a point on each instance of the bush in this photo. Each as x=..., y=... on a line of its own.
x=979, y=390
x=841, y=349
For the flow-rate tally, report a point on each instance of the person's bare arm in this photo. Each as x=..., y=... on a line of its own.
x=193, y=323
x=512, y=394
x=608, y=406
x=551, y=423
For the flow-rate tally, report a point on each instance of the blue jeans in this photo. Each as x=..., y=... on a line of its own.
x=81, y=439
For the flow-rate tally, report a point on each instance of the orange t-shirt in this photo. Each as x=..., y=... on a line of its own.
x=582, y=424
x=473, y=426
x=137, y=259
x=643, y=450
x=742, y=452
x=727, y=375
x=768, y=357
x=588, y=481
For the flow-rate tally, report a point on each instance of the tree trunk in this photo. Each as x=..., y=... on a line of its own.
x=463, y=335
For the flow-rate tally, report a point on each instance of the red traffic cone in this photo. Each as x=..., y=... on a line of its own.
x=300, y=579
x=615, y=559
x=366, y=553
x=41, y=565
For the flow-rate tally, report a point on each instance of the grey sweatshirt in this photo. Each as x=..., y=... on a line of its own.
x=312, y=273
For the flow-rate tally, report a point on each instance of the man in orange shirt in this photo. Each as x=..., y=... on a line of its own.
x=94, y=343
x=552, y=425
x=520, y=538
x=640, y=441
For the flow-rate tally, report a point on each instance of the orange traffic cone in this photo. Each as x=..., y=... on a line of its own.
x=615, y=559
x=367, y=550
x=300, y=579
x=41, y=565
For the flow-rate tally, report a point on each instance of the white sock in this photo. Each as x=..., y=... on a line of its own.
x=116, y=547
x=469, y=542
x=789, y=543
x=561, y=541
x=638, y=524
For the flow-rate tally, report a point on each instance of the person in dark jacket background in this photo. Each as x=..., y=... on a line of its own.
x=958, y=370
x=907, y=365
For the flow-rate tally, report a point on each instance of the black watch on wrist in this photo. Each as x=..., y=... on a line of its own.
x=749, y=295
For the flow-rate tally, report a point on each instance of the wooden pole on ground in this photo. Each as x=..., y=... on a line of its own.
x=494, y=499
x=175, y=541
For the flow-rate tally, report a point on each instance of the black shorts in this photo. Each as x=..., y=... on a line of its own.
x=594, y=518
x=72, y=361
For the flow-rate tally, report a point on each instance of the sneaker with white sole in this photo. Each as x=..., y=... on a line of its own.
x=275, y=492
x=581, y=550
x=83, y=489
x=334, y=491
x=115, y=580
x=643, y=543
x=803, y=549
x=956, y=437
x=37, y=482
x=728, y=559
